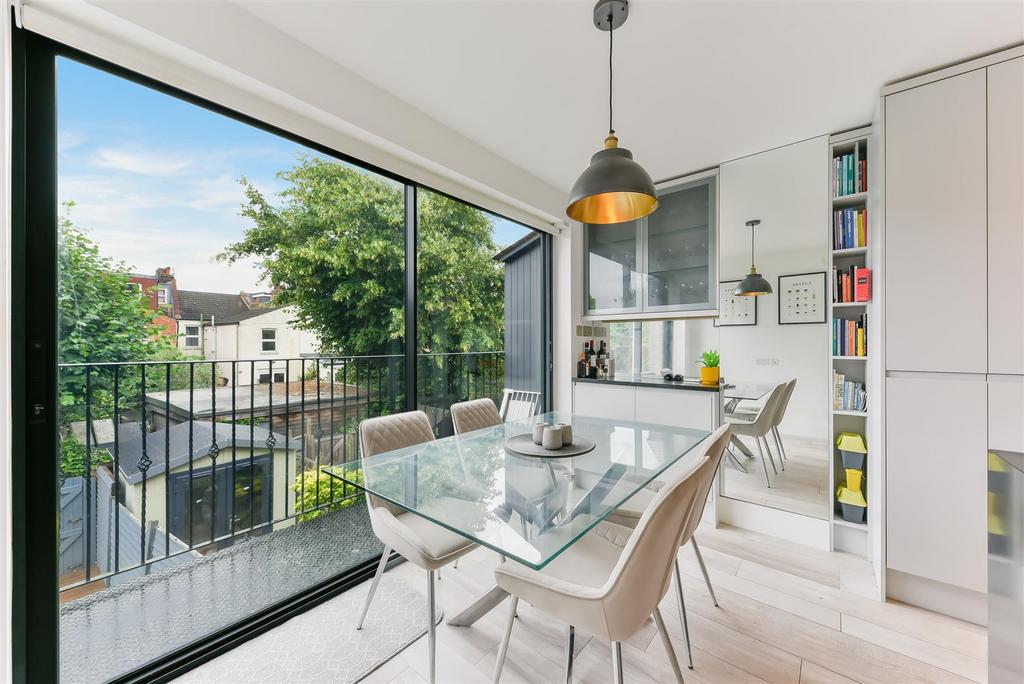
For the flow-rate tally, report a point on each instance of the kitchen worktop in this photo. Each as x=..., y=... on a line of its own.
x=652, y=382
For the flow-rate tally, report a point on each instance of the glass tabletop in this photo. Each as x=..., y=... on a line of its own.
x=747, y=390
x=526, y=508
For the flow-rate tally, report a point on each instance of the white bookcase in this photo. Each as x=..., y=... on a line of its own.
x=849, y=536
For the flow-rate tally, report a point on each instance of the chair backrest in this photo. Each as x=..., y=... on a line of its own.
x=474, y=415
x=766, y=418
x=780, y=412
x=717, y=443
x=518, y=404
x=641, y=576
x=387, y=433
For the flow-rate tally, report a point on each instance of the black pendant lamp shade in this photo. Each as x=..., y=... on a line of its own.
x=614, y=188
x=754, y=285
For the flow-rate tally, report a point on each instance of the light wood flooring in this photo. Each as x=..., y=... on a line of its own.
x=787, y=613
x=803, y=487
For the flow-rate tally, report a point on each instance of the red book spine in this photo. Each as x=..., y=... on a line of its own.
x=863, y=286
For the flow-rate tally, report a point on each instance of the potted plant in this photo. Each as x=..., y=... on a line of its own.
x=709, y=374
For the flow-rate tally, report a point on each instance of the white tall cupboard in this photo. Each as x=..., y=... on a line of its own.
x=953, y=301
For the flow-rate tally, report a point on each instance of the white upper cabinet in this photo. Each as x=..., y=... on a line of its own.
x=936, y=202
x=1006, y=217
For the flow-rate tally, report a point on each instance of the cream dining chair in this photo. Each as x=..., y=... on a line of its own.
x=780, y=414
x=418, y=540
x=609, y=582
x=629, y=514
x=474, y=415
x=760, y=426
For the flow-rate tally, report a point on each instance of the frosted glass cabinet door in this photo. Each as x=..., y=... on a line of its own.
x=612, y=267
x=936, y=253
x=679, y=249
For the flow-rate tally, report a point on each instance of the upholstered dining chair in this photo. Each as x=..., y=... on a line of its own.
x=609, y=582
x=760, y=425
x=780, y=414
x=418, y=540
x=474, y=415
x=629, y=514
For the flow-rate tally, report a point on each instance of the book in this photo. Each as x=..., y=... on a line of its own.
x=849, y=228
x=850, y=336
x=850, y=173
x=862, y=287
x=848, y=395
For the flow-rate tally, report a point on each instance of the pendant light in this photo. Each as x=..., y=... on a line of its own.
x=754, y=285
x=614, y=188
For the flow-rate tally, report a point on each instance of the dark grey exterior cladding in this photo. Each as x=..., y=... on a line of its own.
x=524, y=313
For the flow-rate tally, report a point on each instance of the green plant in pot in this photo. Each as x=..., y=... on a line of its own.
x=709, y=361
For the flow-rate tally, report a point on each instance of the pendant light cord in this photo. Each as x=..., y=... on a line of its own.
x=751, y=248
x=611, y=47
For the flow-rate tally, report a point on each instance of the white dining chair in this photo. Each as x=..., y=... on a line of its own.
x=629, y=514
x=518, y=404
x=610, y=581
x=474, y=415
x=780, y=414
x=419, y=541
x=760, y=425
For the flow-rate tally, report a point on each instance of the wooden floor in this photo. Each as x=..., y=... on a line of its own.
x=803, y=487
x=787, y=613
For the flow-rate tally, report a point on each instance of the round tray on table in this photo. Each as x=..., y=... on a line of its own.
x=523, y=445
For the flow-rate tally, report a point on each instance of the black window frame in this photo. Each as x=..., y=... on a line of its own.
x=35, y=622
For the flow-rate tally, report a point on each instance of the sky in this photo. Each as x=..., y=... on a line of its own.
x=155, y=180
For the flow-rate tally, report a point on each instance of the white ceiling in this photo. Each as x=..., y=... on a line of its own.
x=697, y=83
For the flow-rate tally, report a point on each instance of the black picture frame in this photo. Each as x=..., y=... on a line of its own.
x=821, y=293
x=731, y=285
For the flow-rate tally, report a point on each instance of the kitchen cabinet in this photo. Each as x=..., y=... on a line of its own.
x=677, y=408
x=616, y=402
x=663, y=263
x=1006, y=217
x=936, y=435
x=1006, y=412
x=936, y=203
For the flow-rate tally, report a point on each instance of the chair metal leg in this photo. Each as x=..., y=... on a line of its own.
x=431, y=636
x=373, y=586
x=617, y=662
x=503, y=651
x=681, y=604
x=735, y=461
x=767, y=450
x=570, y=644
x=455, y=565
x=778, y=447
x=764, y=464
x=703, y=570
x=666, y=642
x=778, y=437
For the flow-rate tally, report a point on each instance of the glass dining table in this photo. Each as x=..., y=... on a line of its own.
x=526, y=508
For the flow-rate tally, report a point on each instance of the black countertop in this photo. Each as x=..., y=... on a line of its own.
x=653, y=382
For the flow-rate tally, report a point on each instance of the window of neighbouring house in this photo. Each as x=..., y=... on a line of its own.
x=265, y=378
x=192, y=336
x=161, y=296
x=269, y=339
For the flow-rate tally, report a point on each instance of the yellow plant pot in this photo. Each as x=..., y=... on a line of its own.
x=709, y=376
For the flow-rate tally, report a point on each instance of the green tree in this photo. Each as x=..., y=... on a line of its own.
x=103, y=318
x=335, y=246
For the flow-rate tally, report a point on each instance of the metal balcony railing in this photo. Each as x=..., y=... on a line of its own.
x=161, y=461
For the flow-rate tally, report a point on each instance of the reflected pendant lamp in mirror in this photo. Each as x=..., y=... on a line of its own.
x=614, y=188
x=754, y=285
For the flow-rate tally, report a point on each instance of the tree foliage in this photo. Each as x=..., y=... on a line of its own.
x=334, y=244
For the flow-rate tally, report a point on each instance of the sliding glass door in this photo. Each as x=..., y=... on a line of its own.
x=228, y=303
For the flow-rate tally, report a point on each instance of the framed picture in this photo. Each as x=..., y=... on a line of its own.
x=802, y=298
x=734, y=310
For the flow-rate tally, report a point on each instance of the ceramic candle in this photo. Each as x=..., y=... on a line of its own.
x=566, y=433
x=552, y=437
x=538, y=432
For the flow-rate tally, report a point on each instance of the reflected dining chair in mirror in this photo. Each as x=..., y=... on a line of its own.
x=780, y=414
x=612, y=580
x=518, y=404
x=419, y=541
x=760, y=425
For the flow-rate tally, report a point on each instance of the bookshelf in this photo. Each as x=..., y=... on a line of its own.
x=850, y=239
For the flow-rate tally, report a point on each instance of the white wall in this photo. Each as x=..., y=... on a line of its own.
x=787, y=189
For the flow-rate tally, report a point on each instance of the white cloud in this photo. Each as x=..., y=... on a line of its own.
x=144, y=163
